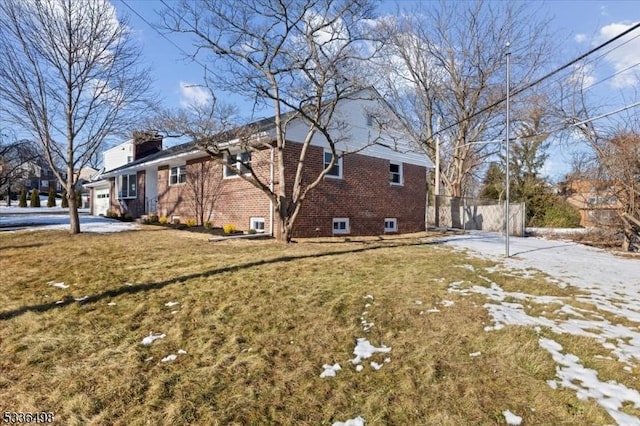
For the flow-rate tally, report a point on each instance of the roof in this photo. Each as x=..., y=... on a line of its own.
x=256, y=127
x=156, y=156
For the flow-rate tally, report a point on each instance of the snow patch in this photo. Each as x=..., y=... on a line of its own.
x=358, y=421
x=58, y=284
x=511, y=418
x=169, y=358
x=151, y=338
x=364, y=350
x=330, y=370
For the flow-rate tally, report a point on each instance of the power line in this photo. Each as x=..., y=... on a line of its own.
x=624, y=108
x=541, y=79
x=164, y=36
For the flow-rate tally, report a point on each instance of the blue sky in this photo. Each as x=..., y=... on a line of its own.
x=577, y=25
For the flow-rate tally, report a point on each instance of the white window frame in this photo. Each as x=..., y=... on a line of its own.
x=394, y=224
x=125, y=190
x=179, y=173
x=400, y=173
x=337, y=163
x=254, y=221
x=337, y=220
x=227, y=173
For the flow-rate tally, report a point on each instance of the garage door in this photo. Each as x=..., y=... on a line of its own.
x=100, y=202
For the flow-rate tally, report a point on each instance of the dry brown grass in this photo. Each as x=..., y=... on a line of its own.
x=257, y=321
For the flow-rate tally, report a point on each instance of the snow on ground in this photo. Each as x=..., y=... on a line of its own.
x=151, y=338
x=609, y=283
x=358, y=421
x=511, y=418
x=56, y=218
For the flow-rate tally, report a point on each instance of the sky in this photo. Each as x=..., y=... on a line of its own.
x=577, y=25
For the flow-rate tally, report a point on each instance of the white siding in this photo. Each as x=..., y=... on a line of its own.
x=118, y=155
x=368, y=140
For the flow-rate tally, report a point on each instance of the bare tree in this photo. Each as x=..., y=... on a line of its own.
x=203, y=184
x=298, y=58
x=70, y=77
x=447, y=62
x=14, y=163
x=615, y=147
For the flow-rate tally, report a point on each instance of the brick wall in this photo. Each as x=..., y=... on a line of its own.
x=364, y=195
x=222, y=200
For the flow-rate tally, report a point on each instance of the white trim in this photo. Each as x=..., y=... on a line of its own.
x=340, y=220
x=227, y=173
x=164, y=161
x=120, y=189
x=178, y=167
x=393, y=221
x=337, y=163
x=255, y=220
x=400, y=173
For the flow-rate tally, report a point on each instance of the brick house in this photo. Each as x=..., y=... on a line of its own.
x=373, y=188
x=595, y=199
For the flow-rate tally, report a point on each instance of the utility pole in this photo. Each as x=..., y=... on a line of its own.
x=506, y=206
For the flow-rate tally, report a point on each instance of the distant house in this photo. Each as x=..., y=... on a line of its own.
x=596, y=200
x=374, y=188
x=40, y=176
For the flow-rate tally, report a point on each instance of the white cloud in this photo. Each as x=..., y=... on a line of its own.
x=580, y=38
x=625, y=54
x=583, y=75
x=193, y=94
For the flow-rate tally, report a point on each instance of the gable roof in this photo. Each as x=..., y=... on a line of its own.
x=191, y=150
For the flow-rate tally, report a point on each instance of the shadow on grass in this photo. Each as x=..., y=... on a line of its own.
x=137, y=288
x=22, y=246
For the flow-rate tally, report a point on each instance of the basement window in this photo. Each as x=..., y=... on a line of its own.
x=257, y=224
x=341, y=225
x=390, y=224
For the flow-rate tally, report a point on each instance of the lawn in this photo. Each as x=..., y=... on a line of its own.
x=251, y=324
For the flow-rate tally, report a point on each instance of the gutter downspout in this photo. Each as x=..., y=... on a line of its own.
x=271, y=187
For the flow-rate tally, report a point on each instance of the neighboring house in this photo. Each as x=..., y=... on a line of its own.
x=40, y=176
x=596, y=200
x=378, y=186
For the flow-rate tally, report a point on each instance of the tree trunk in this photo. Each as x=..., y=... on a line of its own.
x=284, y=234
x=74, y=219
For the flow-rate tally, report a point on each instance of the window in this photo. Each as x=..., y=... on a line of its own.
x=177, y=175
x=128, y=186
x=370, y=120
x=129, y=158
x=395, y=174
x=336, y=169
x=390, y=224
x=341, y=225
x=241, y=161
x=257, y=224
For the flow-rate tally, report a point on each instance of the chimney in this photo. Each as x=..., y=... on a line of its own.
x=146, y=143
